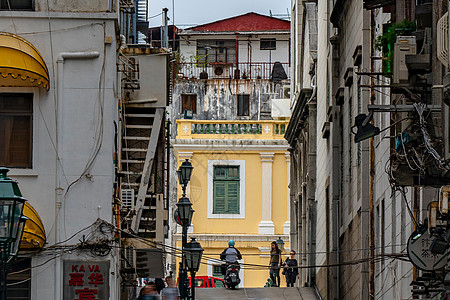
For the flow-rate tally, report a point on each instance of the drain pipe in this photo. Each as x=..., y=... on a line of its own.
x=59, y=146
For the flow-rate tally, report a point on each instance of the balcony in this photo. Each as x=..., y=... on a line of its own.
x=226, y=129
x=247, y=70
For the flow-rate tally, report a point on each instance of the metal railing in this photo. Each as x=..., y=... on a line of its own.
x=247, y=70
x=228, y=129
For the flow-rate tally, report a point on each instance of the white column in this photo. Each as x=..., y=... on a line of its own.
x=266, y=225
x=287, y=224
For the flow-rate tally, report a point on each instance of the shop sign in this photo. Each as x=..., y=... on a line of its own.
x=86, y=279
x=421, y=256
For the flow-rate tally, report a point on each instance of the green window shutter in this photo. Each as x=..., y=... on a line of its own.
x=219, y=197
x=233, y=197
x=226, y=190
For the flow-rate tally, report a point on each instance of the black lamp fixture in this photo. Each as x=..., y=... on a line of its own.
x=185, y=211
x=194, y=252
x=15, y=245
x=184, y=173
x=280, y=244
x=365, y=129
x=11, y=224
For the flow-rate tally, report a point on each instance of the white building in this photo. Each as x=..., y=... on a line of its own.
x=357, y=204
x=58, y=104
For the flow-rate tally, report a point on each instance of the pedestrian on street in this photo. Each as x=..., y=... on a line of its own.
x=170, y=292
x=290, y=269
x=149, y=292
x=275, y=264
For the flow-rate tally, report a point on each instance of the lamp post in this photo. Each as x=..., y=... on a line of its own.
x=194, y=252
x=280, y=244
x=185, y=213
x=11, y=224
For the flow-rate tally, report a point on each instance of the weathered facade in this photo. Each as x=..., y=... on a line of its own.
x=356, y=204
x=231, y=75
x=57, y=141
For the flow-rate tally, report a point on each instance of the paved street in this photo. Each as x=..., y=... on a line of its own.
x=256, y=293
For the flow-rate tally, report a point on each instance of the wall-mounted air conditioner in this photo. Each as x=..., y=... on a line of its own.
x=286, y=91
x=405, y=45
x=221, y=71
x=442, y=40
x=281, y=108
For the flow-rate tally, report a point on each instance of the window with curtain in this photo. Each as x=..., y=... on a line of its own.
x=189, y=101
x=226, y=190
x=16, y=117
x=243, y=105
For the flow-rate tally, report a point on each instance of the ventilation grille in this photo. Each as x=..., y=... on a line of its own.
x=127, y=196
x=442, y=39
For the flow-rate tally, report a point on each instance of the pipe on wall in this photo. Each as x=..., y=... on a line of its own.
x=59, y=222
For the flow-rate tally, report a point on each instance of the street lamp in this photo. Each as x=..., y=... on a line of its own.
x=184, y=174
x=280, y=244
x=185, y=213
x=194, y=252
x=11, y=224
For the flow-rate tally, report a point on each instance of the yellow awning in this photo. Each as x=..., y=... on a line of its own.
x=34, y=233
x=20, y=63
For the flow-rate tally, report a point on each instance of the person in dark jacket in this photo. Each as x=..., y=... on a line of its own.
x=230, y=255
x=291, y=269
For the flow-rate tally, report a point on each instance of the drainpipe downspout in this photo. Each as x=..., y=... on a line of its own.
x=59, y=221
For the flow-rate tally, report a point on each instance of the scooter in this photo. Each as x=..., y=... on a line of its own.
x=232, y=276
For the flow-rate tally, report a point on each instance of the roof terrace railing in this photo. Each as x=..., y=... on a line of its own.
x=247, y=70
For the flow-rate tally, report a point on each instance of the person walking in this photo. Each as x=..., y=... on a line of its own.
x=275, y=264
x=170, y=292
x=149, y=292
x=290, y=269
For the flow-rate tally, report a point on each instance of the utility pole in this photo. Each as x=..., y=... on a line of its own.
x=164, y=30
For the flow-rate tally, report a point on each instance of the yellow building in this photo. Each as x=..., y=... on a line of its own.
x=239, y=191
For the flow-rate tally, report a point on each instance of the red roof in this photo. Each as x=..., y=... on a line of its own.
x=247, y=22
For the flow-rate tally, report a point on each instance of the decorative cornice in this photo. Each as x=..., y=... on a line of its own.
x=266, y=156
x=298, y=117
x=237, y=237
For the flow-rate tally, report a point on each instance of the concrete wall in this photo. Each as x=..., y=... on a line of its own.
x=76, y=6
x=216, y=99
x=89, y=106
x=249, y=46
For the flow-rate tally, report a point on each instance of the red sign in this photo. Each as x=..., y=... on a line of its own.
x=86, y=280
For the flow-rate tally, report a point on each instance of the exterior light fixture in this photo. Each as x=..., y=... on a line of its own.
x=365, y=129
x=185, y=211
x=184, y=173
x=194, y=252
x=280, y=244
x=11, y=224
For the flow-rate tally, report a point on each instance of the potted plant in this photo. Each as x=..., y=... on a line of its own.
x=386, y=41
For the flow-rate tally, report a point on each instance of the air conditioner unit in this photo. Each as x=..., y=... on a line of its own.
x=442, y=40
x=222, y=71
x=127, y=197
x=405, y=45
x=286, y=91
x=281, y=108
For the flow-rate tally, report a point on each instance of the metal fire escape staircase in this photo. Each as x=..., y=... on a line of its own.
x=141, y=127
x=141, y=131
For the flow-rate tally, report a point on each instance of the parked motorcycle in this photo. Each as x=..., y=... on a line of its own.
x=232, y=276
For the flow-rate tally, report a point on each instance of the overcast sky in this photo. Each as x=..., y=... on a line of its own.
x=196, y=12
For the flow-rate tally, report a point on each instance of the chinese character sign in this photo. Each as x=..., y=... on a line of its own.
x=86, y=280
